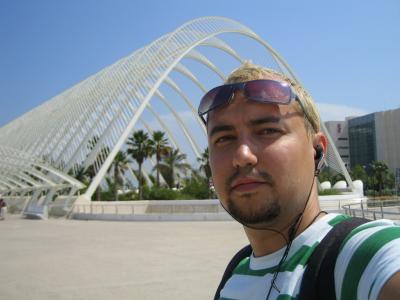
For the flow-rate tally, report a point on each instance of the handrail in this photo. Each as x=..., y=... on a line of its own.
x=149, y=207
x=375, y=209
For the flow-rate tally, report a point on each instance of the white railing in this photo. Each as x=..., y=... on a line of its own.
x=209, y=209
x=151, y=210
x=378, y=209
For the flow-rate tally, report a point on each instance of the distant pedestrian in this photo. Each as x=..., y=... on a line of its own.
x=3, y=209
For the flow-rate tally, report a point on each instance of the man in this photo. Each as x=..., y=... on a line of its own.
x=3, y=209
x=265, y=150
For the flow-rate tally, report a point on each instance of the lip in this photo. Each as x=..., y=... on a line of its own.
x=246, y=184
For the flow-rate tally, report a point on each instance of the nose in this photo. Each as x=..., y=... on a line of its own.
x=244, y=156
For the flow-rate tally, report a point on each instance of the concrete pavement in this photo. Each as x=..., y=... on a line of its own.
x=68, y=259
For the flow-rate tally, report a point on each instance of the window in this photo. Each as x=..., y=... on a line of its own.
x=339, y=128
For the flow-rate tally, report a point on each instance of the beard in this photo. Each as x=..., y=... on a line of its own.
x=267, y=213
x=259, y=211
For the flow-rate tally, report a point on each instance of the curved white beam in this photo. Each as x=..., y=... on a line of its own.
x=54, y=137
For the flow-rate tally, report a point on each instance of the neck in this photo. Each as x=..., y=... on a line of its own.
x=265, y=242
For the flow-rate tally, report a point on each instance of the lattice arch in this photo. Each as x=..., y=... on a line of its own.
x=42, y=146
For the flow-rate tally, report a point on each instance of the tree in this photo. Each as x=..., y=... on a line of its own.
x=390, y=181
x=119, y=166
x=196, y=187
x=205, y=167
x=326, y=174
x=172, y=163
x=359, y=173
x=160, y=148
x=86, y=175
x=380, y=173
x=140, y=147
x=91, y=170
x=205, y=164
x=78, y=172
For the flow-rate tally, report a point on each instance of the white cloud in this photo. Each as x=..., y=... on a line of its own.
x=336, y=112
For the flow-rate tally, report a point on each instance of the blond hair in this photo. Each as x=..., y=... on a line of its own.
x=249, y=71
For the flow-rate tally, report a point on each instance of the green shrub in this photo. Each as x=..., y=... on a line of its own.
x=328, y=192
x=159, y=193
x=105, y=196
x=195, y=189
x=128, y=196
x=385, y=192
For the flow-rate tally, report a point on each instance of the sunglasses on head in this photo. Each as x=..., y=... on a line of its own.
x=263, y=90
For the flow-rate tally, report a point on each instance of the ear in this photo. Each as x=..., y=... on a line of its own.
x=321, y=140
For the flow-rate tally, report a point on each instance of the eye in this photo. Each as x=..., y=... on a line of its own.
x=268, y=131
x=223, y=139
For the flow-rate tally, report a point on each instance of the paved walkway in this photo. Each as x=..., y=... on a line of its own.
x=66, y=259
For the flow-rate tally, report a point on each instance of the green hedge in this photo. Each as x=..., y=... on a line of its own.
x=328, y=192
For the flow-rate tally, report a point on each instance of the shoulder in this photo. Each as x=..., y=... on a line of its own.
x=370, y=237
x=368, y=257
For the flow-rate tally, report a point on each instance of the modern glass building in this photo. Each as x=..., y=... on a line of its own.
x=375, y=137
x=362, y=140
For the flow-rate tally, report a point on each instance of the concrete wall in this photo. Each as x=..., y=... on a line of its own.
x=179, y=210
x=159, y=210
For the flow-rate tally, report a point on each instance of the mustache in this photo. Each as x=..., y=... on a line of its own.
x=249, y=171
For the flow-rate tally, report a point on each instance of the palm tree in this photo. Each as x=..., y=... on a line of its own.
x=119, y=165
x=358, y=172
x=379, y=172
x=205, y=167
x=78, y=172
x=160, y=148
x=205, y=164
x=90, y=170
x=140, y=147
x=172, y=163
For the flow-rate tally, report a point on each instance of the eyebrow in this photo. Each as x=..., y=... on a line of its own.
x=255, y=122
x=220, y=128
x=269, y=119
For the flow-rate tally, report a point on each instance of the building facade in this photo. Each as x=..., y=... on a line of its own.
x=372, y=137
x=362, y=140
x=375, y=137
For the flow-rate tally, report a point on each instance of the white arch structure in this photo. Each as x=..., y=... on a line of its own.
x=39, y=149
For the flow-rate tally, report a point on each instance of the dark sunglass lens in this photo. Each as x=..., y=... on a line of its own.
x=268, y=90
x=214, y=98
x=206, y=101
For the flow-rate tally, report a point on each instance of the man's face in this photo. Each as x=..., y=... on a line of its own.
x=262, y=160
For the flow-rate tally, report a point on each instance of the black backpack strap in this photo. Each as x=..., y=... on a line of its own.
x=318, y=280
x=243, y=253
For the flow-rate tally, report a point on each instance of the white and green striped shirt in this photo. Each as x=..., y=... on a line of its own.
x=369, y=256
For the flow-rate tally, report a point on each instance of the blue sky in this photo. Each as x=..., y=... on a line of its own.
x=346, y=53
